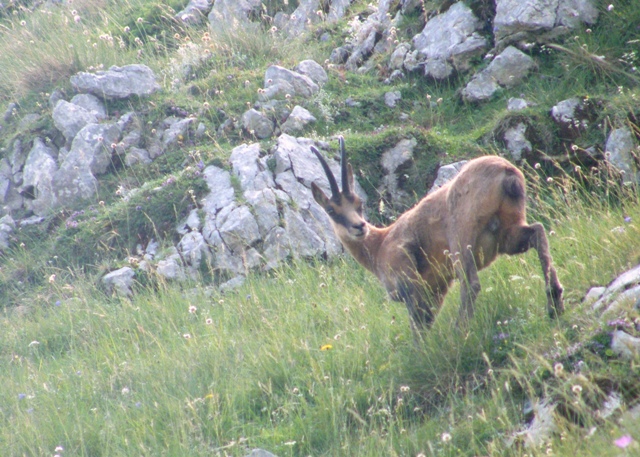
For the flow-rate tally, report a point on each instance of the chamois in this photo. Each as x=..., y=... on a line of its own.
x=454, y=231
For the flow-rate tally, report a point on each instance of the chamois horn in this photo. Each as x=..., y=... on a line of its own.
x=335, y=190
x=343, y=159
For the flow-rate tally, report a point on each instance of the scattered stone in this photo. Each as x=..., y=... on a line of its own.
x=119, y=281
x=137, y=156
x=92, y=147
x=541, y=428
x=619, y=151
x=297, y=120
x=230, y=14
x=517, y=104
x=450, y=40
x=177, y=131
x=507, y=70
x=594, y=294
x=446, y=173
x=92, y=104
x=539, y=20
x=625, y=281
x=170, y=268
x=39, y=170
x=7, y=226
x=195, y=12
x=392, y=98
x=70, y=118
x=302, y=85
x=117, y=82
x=625, y=346
x=395, y=163
x=233, y=283
x=516, y=141
x=313, y=70
x=256, y=123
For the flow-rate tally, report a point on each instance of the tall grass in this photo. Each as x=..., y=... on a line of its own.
x=311, y=359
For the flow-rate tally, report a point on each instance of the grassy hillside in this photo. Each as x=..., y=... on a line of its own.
x=311, y=359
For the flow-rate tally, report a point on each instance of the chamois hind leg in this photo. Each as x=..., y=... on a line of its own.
x=519, y=240
x=467, y=272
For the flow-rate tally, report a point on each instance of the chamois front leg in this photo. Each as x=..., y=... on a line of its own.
x=520, y=239
x=467, y=272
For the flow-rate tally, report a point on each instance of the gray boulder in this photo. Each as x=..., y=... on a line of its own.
x=313, y=70
x=39, y=171
x=119, y=282
x=302, y=85
x=70, y=118
x=256, y=123
x=93, y=147
x=446, y=173
x=92, y=104
x=449, y=41
x=516, y=141
x=297, y=120
x=507, y=69
x=627, y=281
x=517, y=21
x=229, y=14
x=137, y=156
x=177, y=131
x=619, y=150
x=117, y=82
x=7, y=226
x=395, y=163
x=195, y=12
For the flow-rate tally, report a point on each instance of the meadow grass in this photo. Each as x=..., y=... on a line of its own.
x=311, y=359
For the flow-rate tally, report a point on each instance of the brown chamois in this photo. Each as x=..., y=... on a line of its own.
x=454, y=231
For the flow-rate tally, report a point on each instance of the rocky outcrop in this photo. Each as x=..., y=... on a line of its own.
x=117, y=82
x=448, y=41
x=539, y=20
x=507, y=69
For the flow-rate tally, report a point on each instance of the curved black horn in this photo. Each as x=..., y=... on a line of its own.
x=343, y=160
x=335, y=190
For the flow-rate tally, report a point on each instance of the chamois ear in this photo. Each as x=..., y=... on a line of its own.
x=319, y=195
x=350, y=177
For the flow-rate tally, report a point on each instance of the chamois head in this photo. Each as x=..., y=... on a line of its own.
x=344, y=208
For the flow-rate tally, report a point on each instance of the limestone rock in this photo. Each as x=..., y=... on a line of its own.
x=450, y=40
x=297, y=120
x=233, y=13
x=119, y=281
x=195, y=12
x=626, y=281
x=92, y=147
x=302, y=85
x=256, y=123
x=117, y=82
x=446, y=173
x=620, y=148
x=70, y=118
x=516, y=141
x=507, y=69
x=313, y=70
x=39, y=170
x=92, y=104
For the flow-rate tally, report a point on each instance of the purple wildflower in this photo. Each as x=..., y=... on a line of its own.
x=623, y=441
x=627, y=219
x=22, y=396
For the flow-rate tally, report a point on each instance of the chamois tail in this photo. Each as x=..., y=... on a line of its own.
x=513, y=185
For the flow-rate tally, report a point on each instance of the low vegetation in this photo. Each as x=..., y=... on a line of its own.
x=312, y=358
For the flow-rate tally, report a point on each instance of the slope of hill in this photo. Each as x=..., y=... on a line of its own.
x=309, y=357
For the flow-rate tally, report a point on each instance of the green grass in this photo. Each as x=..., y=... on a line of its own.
x=108, y=376
x=312, y=359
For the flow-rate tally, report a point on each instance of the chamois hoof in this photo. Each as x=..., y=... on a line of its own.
x=555, y=302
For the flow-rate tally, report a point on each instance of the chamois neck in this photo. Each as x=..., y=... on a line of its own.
x=365, y=251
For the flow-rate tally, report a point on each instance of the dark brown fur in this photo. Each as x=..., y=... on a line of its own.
x=453, y=232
